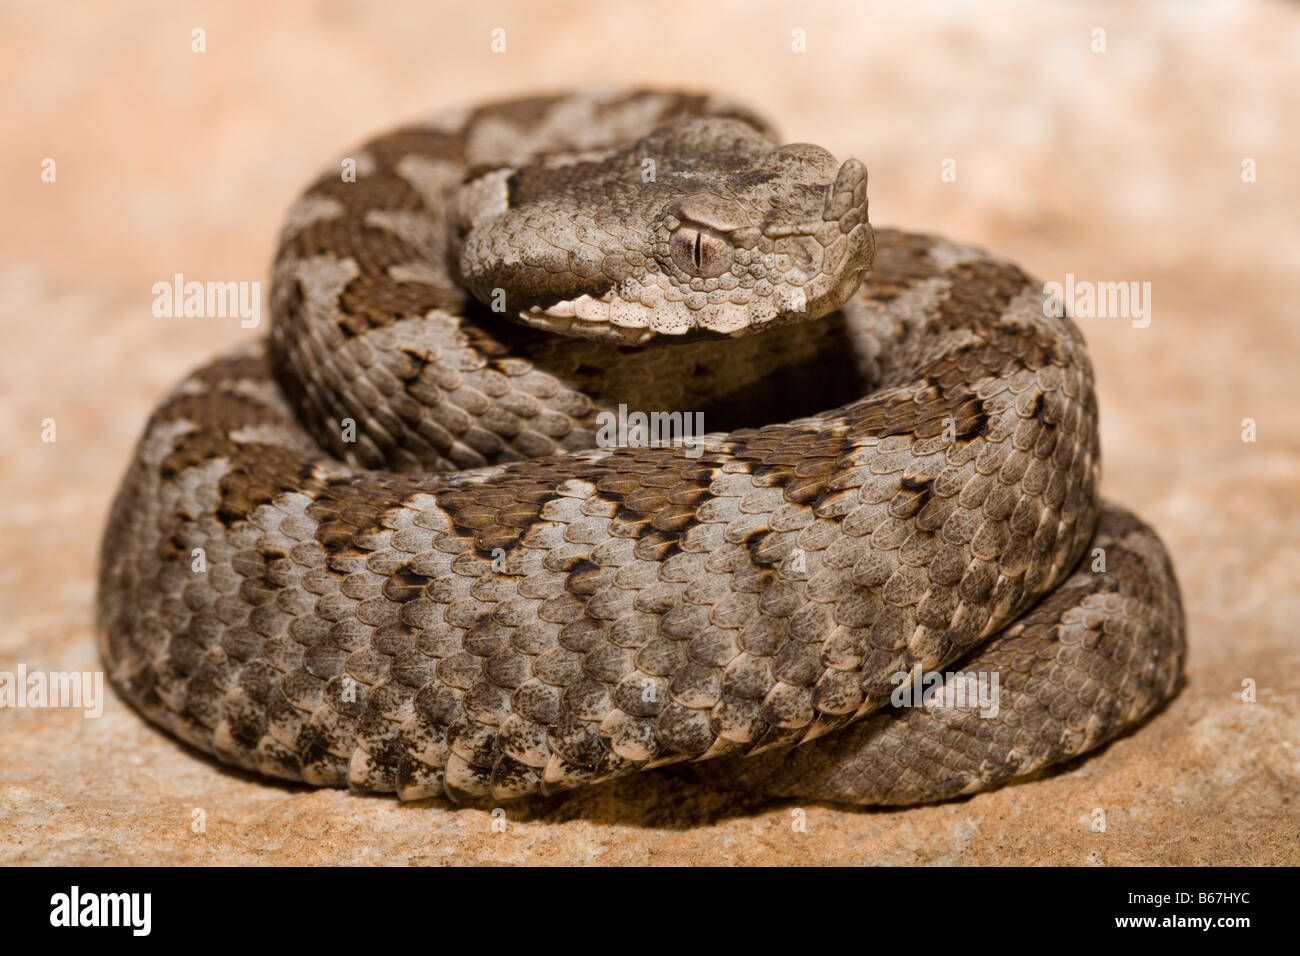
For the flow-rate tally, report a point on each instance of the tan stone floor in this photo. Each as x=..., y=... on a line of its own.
x=1123, y=165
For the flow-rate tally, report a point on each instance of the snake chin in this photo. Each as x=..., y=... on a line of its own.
x=610, y=319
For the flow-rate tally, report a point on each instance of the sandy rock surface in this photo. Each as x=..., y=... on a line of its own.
x=1122, y=165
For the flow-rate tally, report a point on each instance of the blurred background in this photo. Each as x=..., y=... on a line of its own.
x=1118, y=142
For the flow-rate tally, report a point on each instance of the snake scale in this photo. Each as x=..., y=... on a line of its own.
x=385, y=548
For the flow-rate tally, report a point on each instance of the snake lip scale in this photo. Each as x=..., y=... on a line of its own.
x=382, y=548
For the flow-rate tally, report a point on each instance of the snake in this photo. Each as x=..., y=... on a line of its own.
x=397, y=545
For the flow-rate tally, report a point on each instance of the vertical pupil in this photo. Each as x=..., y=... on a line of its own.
x=697, y=250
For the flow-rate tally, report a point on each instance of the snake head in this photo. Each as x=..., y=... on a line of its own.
x=703, y=226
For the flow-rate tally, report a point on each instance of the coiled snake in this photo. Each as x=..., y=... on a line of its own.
x=387, y=548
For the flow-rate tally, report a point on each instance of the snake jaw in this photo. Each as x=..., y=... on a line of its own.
x=626, y=322
x=588, y=318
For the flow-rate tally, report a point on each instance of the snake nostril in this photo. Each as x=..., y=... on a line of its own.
x=801, y=255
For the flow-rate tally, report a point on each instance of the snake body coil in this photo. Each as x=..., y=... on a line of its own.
x=385, y=549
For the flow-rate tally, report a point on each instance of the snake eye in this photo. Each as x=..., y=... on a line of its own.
x=700, y=252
